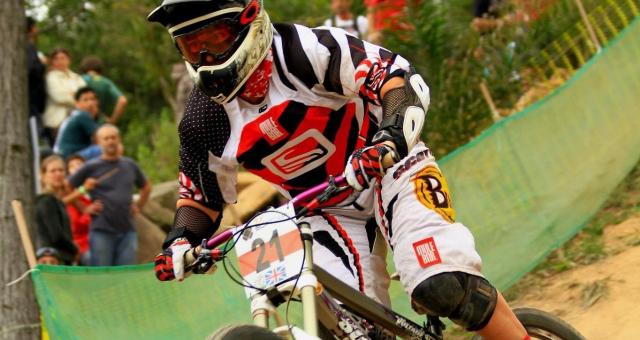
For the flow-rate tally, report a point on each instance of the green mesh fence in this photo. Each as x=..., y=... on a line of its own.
x=524, y=187
x=532, y=180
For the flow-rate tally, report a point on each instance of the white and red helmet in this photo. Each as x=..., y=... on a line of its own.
x=221, y=41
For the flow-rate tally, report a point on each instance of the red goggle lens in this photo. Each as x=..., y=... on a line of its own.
x=215, y=39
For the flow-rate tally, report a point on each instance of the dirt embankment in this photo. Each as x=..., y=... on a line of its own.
x=601, y=300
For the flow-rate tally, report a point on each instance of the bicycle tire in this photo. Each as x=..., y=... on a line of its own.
x=542, y=325
x=253, y=332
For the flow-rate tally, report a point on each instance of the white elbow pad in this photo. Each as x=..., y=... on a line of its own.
x=405, y=109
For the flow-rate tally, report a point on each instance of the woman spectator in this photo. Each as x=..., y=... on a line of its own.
x=55, y=244
x=62, y=84
x=80, y=211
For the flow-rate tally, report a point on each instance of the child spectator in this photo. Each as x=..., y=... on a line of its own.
x=54, y=242
x=110, y=97
x=80, y=211
x=62, y=84
x=76, y=133
x=343, y=18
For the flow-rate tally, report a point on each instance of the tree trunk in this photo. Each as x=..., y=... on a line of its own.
x=18, y=309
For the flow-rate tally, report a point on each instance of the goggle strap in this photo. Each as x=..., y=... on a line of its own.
x=205, y=17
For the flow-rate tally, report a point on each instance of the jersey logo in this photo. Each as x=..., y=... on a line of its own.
x=433, y=192
x=271, y=130
x=300, y=155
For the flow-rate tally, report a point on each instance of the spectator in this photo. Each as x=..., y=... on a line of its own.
x=486, y=15
x=112, y=236
x=386, y=15
x=62, y=84
x=110, y=97
x=36, y=72
x=80, y=211
x=344, y=19
x=76, y=135
x=55, y=244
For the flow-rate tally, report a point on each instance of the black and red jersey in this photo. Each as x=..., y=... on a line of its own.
x=322, y=104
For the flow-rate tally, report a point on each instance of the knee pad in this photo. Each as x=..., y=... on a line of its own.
x=466, y=299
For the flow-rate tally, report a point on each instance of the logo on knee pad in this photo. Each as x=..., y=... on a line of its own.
x=433, y=192
x=427, y=252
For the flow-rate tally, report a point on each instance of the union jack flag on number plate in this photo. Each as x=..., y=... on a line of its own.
x=275, y=274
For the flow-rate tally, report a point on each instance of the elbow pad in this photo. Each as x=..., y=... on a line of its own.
x=404, y=111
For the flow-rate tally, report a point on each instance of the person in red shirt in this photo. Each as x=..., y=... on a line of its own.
x=80, y=211
x=386, y=15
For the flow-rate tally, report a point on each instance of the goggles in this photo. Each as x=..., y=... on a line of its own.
x=215, y=39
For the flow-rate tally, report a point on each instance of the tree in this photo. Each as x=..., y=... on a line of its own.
x=18, y=311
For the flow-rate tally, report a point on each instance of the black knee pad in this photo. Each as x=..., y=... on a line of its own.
x=466, y=299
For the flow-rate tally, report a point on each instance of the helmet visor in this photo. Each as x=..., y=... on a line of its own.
x=214, y=39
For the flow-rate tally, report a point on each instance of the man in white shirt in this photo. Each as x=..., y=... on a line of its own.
x=345, y=19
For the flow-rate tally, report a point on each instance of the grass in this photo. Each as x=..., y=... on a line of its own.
x=587, y=246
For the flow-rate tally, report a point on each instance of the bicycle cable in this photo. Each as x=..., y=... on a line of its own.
x=234, y=239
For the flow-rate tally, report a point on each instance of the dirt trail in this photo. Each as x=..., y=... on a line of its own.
x=601, y=300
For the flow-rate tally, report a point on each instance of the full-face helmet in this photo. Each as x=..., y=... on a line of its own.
x=221, y=41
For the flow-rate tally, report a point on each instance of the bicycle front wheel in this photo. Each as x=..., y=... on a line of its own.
x=544, y=326
x=251, y=332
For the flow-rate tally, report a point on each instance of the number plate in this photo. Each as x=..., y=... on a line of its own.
x=271, y=253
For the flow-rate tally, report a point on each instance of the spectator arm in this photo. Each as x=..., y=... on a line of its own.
x=145, y=191
x=118, y=110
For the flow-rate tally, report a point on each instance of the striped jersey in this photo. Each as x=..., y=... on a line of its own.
x=323, y=103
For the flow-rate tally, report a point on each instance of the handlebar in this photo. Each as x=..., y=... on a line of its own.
x=220, y=238
x=306, y=200
x=312, y=193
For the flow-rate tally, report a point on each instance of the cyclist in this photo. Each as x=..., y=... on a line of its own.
x=295, y=105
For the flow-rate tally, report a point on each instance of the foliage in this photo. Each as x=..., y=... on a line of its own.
x=454, y=60
x=137, y=56
x=309, y=13
x=159, y=157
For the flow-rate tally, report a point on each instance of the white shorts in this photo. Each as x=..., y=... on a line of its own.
x=416, y=217
x=349, y=245
x=412, y=209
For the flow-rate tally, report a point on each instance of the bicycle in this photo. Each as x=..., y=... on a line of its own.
x=276, y=265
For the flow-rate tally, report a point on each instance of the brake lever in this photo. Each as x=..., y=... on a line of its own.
x=326, y=194
x=203, y=258
x=331, y=189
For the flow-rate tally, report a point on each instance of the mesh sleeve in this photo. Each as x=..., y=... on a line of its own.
x=193, y=224
x=394, y=100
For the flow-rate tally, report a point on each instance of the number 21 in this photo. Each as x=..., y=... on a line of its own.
x=273, y=242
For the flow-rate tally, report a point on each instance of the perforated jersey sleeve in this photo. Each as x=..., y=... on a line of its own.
x=339, y=62
x=203, y=129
